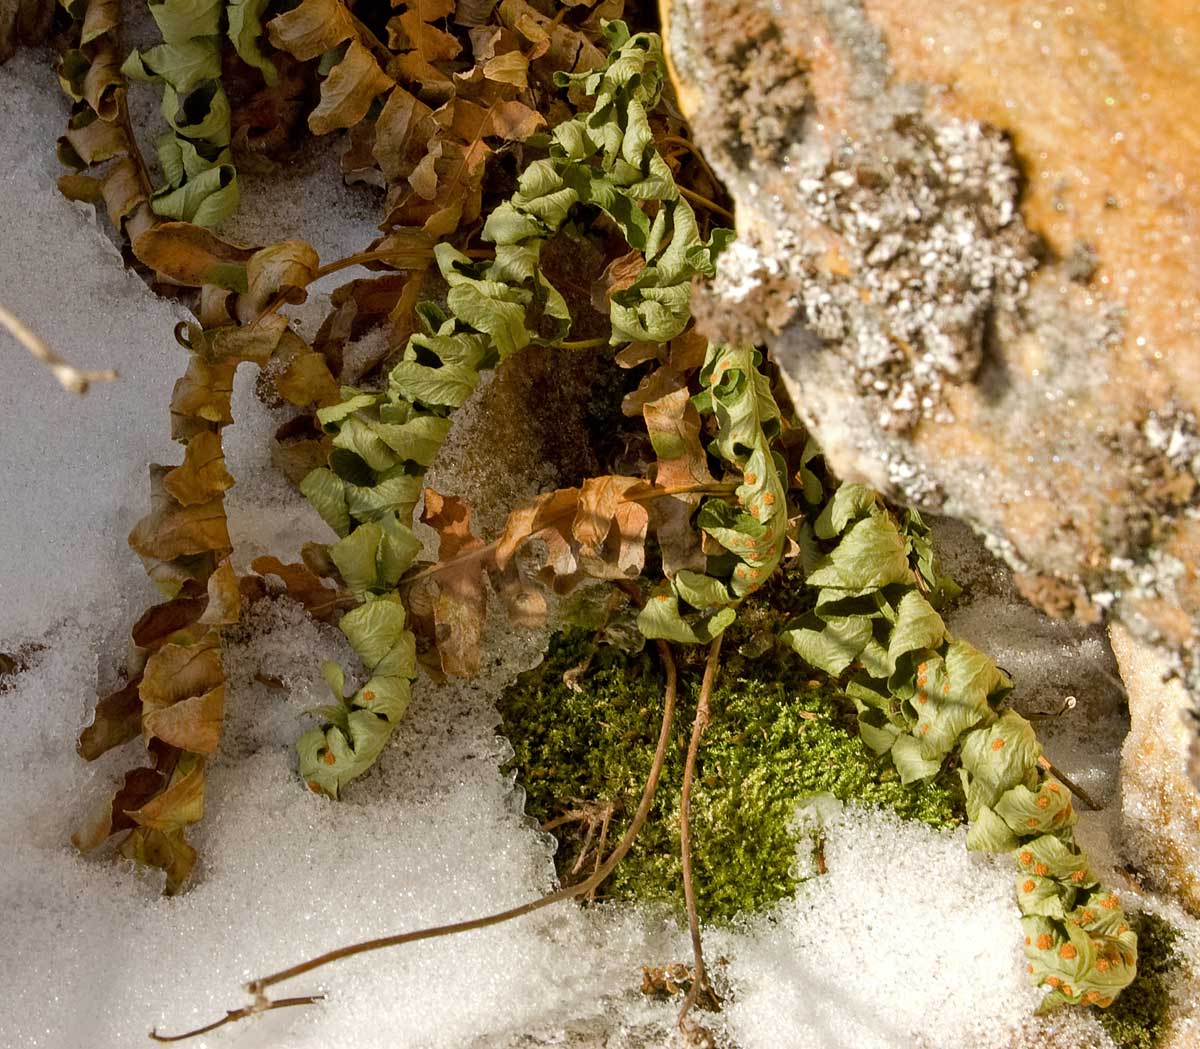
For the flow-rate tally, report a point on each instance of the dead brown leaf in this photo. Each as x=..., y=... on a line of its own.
x=224, y=596
x=556, y=47
x=203, y=474
x=303, y=586
x=610, y=528
x=117, y=720
x=553, y=510
x=178, y=671
x=191, y=255
x=674, y=427
x=348, y=91
x=192, y=724
x=181, y=803
x=312, y=28
x=159, y=622
x=617, y=276
x=172, y=530
x=460, y=605
x=168, y=851
x=282, y=270
x=421, y=44
x=110, y=816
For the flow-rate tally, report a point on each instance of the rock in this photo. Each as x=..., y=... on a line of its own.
x=1160, y=810
x=968, y=231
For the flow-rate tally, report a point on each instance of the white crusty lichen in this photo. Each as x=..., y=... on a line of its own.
x=925, y=218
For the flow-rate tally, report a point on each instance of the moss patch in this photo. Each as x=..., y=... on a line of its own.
x=776, y=738
x=1139, y=1017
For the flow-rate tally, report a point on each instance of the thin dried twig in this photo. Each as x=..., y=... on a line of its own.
x=1070, y=784
x=692, y=148
x=704, y=202
x=258, y=987
x=262, y=1006
x=70, y=377
x=700, y=984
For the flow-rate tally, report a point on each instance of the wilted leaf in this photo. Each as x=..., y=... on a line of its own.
x=403, y=133
x=110, y=816
x=283, y=271
x=610, y=527
x=618, y=275
x=552, y=510
x=496, y=117
x=191, y=255
x=561, y=48
x=510, y=67
x=297, y=451
x=224, y=596
x=116, y=720
x=473, y=12
x=177, y=671
x=674, y=428
x=180, y=803
x=203, y=475
x=311, y=28
x=348, y=91
x=303, y=586
x=461, y=603
x=159, y=622
x=192, y=724
x=422, y=44
x=166, y=850
x=172, y=530
x=301, y=375
x=89, y=140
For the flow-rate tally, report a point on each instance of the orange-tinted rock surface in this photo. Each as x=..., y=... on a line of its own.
x=969, y=232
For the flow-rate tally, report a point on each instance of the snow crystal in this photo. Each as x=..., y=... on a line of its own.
x=266, y=515
x=1064, y=673
x=304, y=198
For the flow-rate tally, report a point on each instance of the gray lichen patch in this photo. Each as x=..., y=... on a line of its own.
x=909, y=246
x=892, y=233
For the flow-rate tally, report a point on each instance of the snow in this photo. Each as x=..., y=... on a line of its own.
x=265, y=515
x=909, y=941
x=65, y=279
